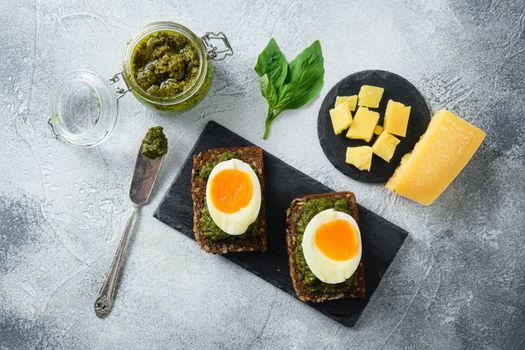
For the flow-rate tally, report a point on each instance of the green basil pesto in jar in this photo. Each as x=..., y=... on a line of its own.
x=165, y=64
x=169, y=68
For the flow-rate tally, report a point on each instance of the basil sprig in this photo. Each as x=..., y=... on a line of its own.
x=289, y=85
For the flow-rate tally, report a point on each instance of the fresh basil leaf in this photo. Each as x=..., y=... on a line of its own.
x=305, y=76
x=289, y=86
x=272, y=62
x=268, y=90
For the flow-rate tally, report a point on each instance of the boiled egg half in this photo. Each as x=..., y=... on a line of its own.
x=233, y=196
x=332, y=246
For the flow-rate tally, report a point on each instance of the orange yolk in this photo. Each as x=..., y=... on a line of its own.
x=337, y=240
x=231, y=190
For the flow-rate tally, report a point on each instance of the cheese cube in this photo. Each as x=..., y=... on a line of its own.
x=378, y=130
x=439, y=156
x=360, y=157
x=341, y=117
x=385, y=146
x=370, y=96
x=352, y=101
x=363, y=124
x=396, y=118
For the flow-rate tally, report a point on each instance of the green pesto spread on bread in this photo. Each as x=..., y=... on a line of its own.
x=207, y=167
x=213, y=232
x=311, y=208
x=209, y=228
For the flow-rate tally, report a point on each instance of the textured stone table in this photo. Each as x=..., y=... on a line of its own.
x=458, y=281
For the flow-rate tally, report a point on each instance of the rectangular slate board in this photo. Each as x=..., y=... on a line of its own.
x=381, y=239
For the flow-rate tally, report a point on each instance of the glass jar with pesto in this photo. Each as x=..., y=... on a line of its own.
x=166, y=66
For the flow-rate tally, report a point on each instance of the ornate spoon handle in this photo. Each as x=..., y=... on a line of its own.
x=104, y=301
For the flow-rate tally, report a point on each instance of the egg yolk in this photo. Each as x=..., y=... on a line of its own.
x=337, y=240
x=231, y=190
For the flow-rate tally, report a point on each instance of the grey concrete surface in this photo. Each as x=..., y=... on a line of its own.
x=457, y=283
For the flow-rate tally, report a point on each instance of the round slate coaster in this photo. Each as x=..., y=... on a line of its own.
x=397, y=89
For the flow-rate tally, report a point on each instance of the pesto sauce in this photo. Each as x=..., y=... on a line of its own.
x=154, y=144
x=165, y=63
x=207, y=167
x=208, y=227
x=211, y=231
x=311, y=208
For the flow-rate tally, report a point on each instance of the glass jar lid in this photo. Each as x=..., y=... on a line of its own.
x=83, y=108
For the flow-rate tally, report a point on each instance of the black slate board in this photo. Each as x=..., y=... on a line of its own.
x=397, y=89
x=381, y=239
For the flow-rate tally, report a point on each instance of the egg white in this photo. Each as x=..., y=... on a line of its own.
x=324, y=268
x=235, y=223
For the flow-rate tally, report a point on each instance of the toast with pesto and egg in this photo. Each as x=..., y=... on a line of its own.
x=324, y=247
x=227, y=187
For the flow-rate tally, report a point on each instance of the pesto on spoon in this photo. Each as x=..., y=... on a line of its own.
x=154, y=144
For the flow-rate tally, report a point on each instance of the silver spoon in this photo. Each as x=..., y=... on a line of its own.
x=144, y=176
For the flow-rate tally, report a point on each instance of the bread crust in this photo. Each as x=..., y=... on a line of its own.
x=358, y=289
x=252, y=155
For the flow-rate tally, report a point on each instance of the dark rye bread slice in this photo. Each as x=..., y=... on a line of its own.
x=252, y=155
x=357, y=290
